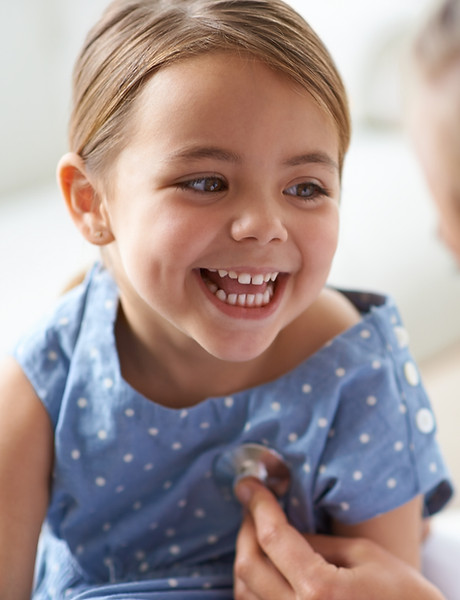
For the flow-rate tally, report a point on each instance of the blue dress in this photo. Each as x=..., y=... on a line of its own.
x=136, y=511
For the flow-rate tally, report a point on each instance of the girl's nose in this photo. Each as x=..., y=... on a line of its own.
x=260, y=222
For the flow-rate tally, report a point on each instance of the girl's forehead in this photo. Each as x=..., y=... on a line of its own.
x=215, y=95
x=223, y=80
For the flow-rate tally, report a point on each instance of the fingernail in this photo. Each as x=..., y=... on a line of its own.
x=243, y=492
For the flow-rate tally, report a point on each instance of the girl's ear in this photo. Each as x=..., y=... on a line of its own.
x=83, y=201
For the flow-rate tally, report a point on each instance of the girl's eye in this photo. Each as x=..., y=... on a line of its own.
x=204, y=185
x=308, y=190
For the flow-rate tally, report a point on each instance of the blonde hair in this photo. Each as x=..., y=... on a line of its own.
x=437, y=45
x=135, y=38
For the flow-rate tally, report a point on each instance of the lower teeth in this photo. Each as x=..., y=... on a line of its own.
x=244, y=300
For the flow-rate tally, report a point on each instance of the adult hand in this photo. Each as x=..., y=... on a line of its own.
x=274, y=561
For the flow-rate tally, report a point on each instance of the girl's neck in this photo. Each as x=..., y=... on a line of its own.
x=180, y=375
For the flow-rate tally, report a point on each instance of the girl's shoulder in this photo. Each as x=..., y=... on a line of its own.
x=46, y=352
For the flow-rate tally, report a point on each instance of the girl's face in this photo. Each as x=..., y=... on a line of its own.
x=434, y=118
x=223, y=206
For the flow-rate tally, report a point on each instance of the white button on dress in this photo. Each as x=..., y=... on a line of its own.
x=425, y=420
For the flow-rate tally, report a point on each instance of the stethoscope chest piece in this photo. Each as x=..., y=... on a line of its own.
x=253, y=460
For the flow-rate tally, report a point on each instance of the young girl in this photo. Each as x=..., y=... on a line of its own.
x=207, y=141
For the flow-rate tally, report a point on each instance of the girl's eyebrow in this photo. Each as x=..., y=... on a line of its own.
x=312, y=157
x=197, y=152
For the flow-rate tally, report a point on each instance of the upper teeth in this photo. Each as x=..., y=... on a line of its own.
x=247, y=278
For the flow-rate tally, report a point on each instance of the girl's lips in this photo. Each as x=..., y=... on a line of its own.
x=243, y=294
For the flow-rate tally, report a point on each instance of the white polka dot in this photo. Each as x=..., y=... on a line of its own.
x=204, y=425
x=94, y=353
x=365, y=334
x=394, y=319
x=322, y=469
x=402, y=409
x=173, y=583
x=140, y=555
x=376, y=364
x=212, y=539
x=357, y=475
x=153, y=431
x=100, y=481
x=102, y=434
x=63, y=321
x=175, y=550
x=306, y=468
x=344, y=506
x=247, y=427
x=207, y=585
x=371, y=400
x=293, y=437
x=364, y=438
x=340, y=372
x=120, y=489
x=392, y=483
x=176, y=446
x=170, y=532
x=306, y=388
x=148, y=467
x=398, y=446
x=411, y=373
x=82, y=402
x=128, y=458
x=52, y=355
x=276, y=406
x=200, y=513
x=167, y=485
x=129, y=412
x=144, y=567
x=425, y=420
x=108, y=304
x=322, y=422
x=182, y=503
x=433, y=467
x=108, y=383
x=137, y=505
x=76, y=454
x=228, y=402
x=184, y=414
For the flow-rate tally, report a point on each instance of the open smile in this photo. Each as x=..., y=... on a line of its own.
x=247, y=290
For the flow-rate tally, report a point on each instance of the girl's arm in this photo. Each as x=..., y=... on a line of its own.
x=26, y=455
x=398, y=531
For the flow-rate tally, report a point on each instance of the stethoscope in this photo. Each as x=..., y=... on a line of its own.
x=253, y=460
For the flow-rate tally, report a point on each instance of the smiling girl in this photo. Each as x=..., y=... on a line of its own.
x=207, y=142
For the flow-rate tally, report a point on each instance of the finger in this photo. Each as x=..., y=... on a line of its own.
x=255, y=575
x=345, y=552
x=285, y=546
